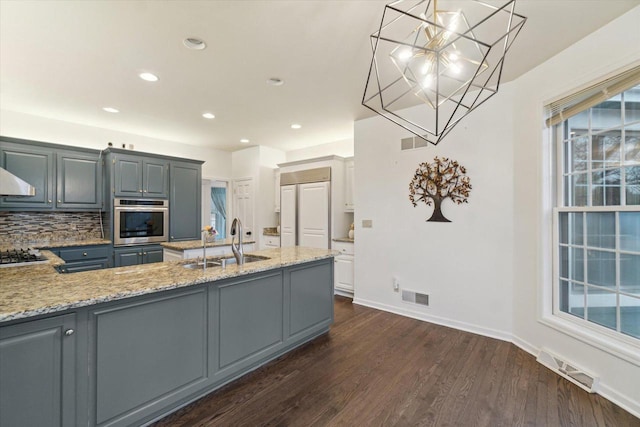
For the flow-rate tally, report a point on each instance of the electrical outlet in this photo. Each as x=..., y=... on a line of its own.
x=396, y=284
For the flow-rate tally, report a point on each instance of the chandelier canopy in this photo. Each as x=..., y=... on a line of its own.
x=448, y=62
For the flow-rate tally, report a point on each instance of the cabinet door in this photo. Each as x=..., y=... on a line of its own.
x=349, y=187
x=79, y=181
x=33, y=165
x=155, y=176
x=277, y=181
x=185, y=201
x=127, y=257
x=152, y=254
x=37, y=367
x=344, y=272
x=128, y=176
x=311, y=298
x=148, y=354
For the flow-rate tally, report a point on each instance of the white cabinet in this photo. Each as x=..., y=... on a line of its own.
x=271, y=241
x=277, y=181
x=349, y=188
x=344, y=268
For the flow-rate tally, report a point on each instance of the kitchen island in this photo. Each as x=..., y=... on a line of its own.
x=129, y=345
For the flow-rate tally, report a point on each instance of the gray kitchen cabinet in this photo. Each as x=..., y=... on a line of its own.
x=250, y=321
x=311, y=298
x=147, y=353
x=38, y=371
x=65, y=178
x=185, y=200
x=135, y=255
x=34, y=165
x=79, y=181
x=84, y=258
x=138, y=176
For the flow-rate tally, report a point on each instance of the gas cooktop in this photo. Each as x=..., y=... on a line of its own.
x=19, y=257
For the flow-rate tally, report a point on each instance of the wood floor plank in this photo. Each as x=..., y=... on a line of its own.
x=379, y=369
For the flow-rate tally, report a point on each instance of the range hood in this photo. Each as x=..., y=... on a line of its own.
x=11, y=185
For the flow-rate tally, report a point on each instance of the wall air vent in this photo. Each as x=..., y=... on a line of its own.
x=415, y=297
x=412, y=142
x=568, y=371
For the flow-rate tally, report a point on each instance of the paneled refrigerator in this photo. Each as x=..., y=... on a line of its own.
x=305, y=199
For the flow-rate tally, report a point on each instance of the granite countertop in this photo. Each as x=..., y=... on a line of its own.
x=343, y=239
x=48, y=244
x=270, y=231
x=197, y=244
x=39, y=289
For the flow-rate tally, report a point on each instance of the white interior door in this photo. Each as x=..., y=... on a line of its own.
x=243, y=204
x=288, y=220
x=313, y=215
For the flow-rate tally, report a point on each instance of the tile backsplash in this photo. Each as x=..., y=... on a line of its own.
x=30, y=227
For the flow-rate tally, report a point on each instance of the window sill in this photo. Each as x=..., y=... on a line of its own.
x=627, y=352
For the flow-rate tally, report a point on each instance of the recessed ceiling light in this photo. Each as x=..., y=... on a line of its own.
x=296, y=126
x=111, y=110
x=244, y=140
x=274, y=81
x=208, y=116
x=149, y=77
x=194, y=43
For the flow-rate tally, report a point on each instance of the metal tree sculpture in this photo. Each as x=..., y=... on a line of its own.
x=437, y=181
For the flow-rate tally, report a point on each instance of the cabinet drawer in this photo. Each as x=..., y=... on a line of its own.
x=343, y=247
x=272, y=241
x=79, y=254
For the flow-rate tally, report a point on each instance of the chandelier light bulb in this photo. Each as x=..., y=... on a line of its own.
x=428, y=80
x=454, y=56
x=405, y=54
x=455, y=67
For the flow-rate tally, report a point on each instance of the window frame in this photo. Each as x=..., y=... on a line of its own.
x=622, y=345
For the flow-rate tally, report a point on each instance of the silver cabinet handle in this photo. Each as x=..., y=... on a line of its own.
x=140, y=191
x=59, y=201
x=49, y=201
x=140, y=253
x=145, y=191
x=84, y=254
x=69, y=332
x=144, y=253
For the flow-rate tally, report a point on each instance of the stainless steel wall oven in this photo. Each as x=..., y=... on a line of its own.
x=140, y=221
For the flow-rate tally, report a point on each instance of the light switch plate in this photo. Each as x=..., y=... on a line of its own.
x=367, y=223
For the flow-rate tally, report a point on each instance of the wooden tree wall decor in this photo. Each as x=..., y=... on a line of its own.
x=434, y=182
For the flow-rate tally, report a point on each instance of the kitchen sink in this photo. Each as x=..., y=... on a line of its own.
x=217, y=262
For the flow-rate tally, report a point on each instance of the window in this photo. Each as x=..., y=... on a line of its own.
x=597, y=215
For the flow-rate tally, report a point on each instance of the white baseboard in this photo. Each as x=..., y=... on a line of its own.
x=463, y=326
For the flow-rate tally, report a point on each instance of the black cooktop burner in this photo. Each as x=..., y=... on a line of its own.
x=19, y=256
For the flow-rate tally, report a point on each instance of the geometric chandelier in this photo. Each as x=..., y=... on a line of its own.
x=443, y=62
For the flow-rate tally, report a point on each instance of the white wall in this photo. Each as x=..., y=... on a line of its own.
x=613, y=46
x=465, y=265
x=343, y=148
x=488, y=271
x=259, y=163
x=27, y=126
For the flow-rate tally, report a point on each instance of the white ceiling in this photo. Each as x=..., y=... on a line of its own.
x=67, y=60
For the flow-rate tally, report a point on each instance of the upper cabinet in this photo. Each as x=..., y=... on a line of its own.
x=349, y=188
x=64, y=179
x=277, y=189
x=185, y=200
x=79, y=181
x=136, y=176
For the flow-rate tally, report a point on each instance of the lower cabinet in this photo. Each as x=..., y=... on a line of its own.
x=84, y=258
x=38, y=373
x=344, y=268
x=136, y=360
x=135, y=255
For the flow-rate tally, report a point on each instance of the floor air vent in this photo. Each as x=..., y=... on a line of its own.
x=415, y=297
x=567, y=370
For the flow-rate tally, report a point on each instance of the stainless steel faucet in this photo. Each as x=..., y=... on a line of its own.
x=238, y=252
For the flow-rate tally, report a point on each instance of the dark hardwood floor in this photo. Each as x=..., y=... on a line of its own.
x=379, y=369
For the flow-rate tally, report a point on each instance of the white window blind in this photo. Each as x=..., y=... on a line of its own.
x=561, y=110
